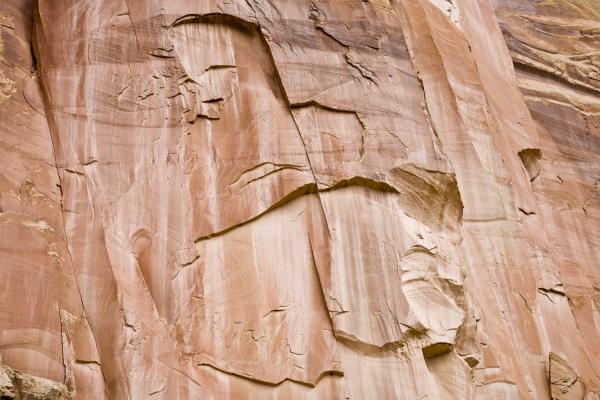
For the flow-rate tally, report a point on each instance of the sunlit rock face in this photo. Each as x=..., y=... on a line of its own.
x=307, y=199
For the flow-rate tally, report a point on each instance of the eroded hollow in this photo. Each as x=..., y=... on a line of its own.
x=531, y=162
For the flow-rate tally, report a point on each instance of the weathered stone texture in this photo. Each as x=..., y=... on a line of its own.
x=300, y=199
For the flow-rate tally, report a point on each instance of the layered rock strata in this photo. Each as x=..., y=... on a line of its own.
x=318, y=199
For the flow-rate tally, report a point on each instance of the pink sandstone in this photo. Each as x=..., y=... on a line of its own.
x=300, y=199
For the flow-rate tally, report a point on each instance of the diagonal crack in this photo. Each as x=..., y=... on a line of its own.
x=55, y=149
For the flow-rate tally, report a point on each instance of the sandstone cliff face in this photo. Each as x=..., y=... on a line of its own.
x=275, y=199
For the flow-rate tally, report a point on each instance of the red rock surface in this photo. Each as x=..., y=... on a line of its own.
x=275, y=199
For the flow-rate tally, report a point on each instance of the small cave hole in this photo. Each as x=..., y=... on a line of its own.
x=531, y=162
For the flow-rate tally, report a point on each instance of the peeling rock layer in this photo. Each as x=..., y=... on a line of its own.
x=382, y=199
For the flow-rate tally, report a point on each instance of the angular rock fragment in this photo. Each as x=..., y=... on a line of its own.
x=564, y=382
x=16, y=385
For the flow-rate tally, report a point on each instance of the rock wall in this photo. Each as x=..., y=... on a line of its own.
x=268, y=199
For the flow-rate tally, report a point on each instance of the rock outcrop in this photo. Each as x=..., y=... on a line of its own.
x=308, y=199
x=15, y=385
